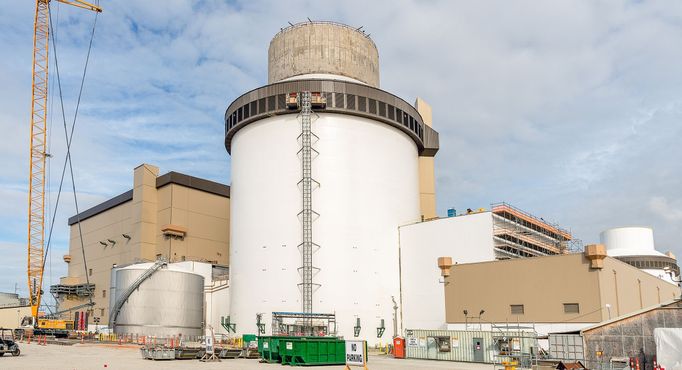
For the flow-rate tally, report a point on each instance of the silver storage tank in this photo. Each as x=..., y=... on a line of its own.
x=168, y=303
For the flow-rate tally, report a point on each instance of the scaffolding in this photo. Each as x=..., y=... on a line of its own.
x=515, y=345
x=303, y=324
x=517, y=233
x=78, y=290
x=307, y=214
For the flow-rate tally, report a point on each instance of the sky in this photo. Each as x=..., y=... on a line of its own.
x=571, y=110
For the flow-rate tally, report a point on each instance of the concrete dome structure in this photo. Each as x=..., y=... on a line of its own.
x=323, y=49
x=635, y=246
x=318, y=193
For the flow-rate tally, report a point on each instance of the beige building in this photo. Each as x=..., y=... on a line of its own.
x=10, y=317
x=561, y=292
x=174, y=216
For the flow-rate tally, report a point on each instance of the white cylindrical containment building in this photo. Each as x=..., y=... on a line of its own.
x=324, y=171
x=635, y=246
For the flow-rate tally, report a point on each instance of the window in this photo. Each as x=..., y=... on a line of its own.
x=372, y=106
x=90, y=272
x=246, y=111
x=338, y=100
x=571, y=308
x=261, y=105
x=350, y=101
x=104, y=293
x=517, y=309
x=271, y=103
x=362, y=103
x=382, y=109
x=443, y=344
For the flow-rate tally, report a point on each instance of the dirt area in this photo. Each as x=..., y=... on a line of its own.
x=114, y=357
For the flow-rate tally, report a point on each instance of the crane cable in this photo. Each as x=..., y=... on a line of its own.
x=69, y=138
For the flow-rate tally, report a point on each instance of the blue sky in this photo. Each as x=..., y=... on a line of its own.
x=571, y=110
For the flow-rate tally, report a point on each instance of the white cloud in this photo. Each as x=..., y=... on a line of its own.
x=666, y=210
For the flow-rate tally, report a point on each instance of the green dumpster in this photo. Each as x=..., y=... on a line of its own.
x=303, y=351
x=247, y=339
x=268, y=348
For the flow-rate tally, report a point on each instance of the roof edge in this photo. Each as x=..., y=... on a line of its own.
x=172, y=177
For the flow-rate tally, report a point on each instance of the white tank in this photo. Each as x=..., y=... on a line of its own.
x=367, y=144
x=368, y=186
x=629, y=241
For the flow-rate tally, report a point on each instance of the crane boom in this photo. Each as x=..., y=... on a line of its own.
x=36, y=191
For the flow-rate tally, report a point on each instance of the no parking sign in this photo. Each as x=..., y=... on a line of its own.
x=356, y=353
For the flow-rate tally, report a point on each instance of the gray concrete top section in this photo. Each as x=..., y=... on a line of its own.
x=323, y=47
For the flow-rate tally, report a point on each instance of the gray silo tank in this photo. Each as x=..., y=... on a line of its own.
x=168, y=303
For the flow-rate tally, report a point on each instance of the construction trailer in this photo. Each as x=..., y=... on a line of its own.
x=491, y=347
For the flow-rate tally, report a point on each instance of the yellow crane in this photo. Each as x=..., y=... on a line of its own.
x=36, y=198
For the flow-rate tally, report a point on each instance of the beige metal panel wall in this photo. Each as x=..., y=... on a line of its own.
x=541, y=284
x=627, y=288
x=111, y=224
x=10, y=317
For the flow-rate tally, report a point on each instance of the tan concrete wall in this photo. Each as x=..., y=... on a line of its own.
x=628, y=289
x=427, y=175
x=10, y=317
x=323, y=48
x=206, y=217
x=144, y=212
x=544, y=284
x=541, y=284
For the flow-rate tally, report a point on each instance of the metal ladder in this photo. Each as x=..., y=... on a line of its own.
x=126, y=294
x=307, y=214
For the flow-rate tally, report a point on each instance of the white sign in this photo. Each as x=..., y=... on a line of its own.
x=290, y=345
x=412, y=342
x=455, y=342
x=266, y=345
x=355, y=353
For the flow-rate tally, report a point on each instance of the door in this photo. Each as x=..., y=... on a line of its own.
x=431, y=348
x=478, y=350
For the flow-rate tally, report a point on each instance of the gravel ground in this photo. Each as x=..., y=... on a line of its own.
x=114, y=357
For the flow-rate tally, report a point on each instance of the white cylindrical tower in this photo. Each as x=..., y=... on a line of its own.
x=365, y=145
x=635, y=246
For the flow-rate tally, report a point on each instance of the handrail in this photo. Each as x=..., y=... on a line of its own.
x=136, y=284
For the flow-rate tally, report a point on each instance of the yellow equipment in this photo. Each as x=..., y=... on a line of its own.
x=36, y=198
